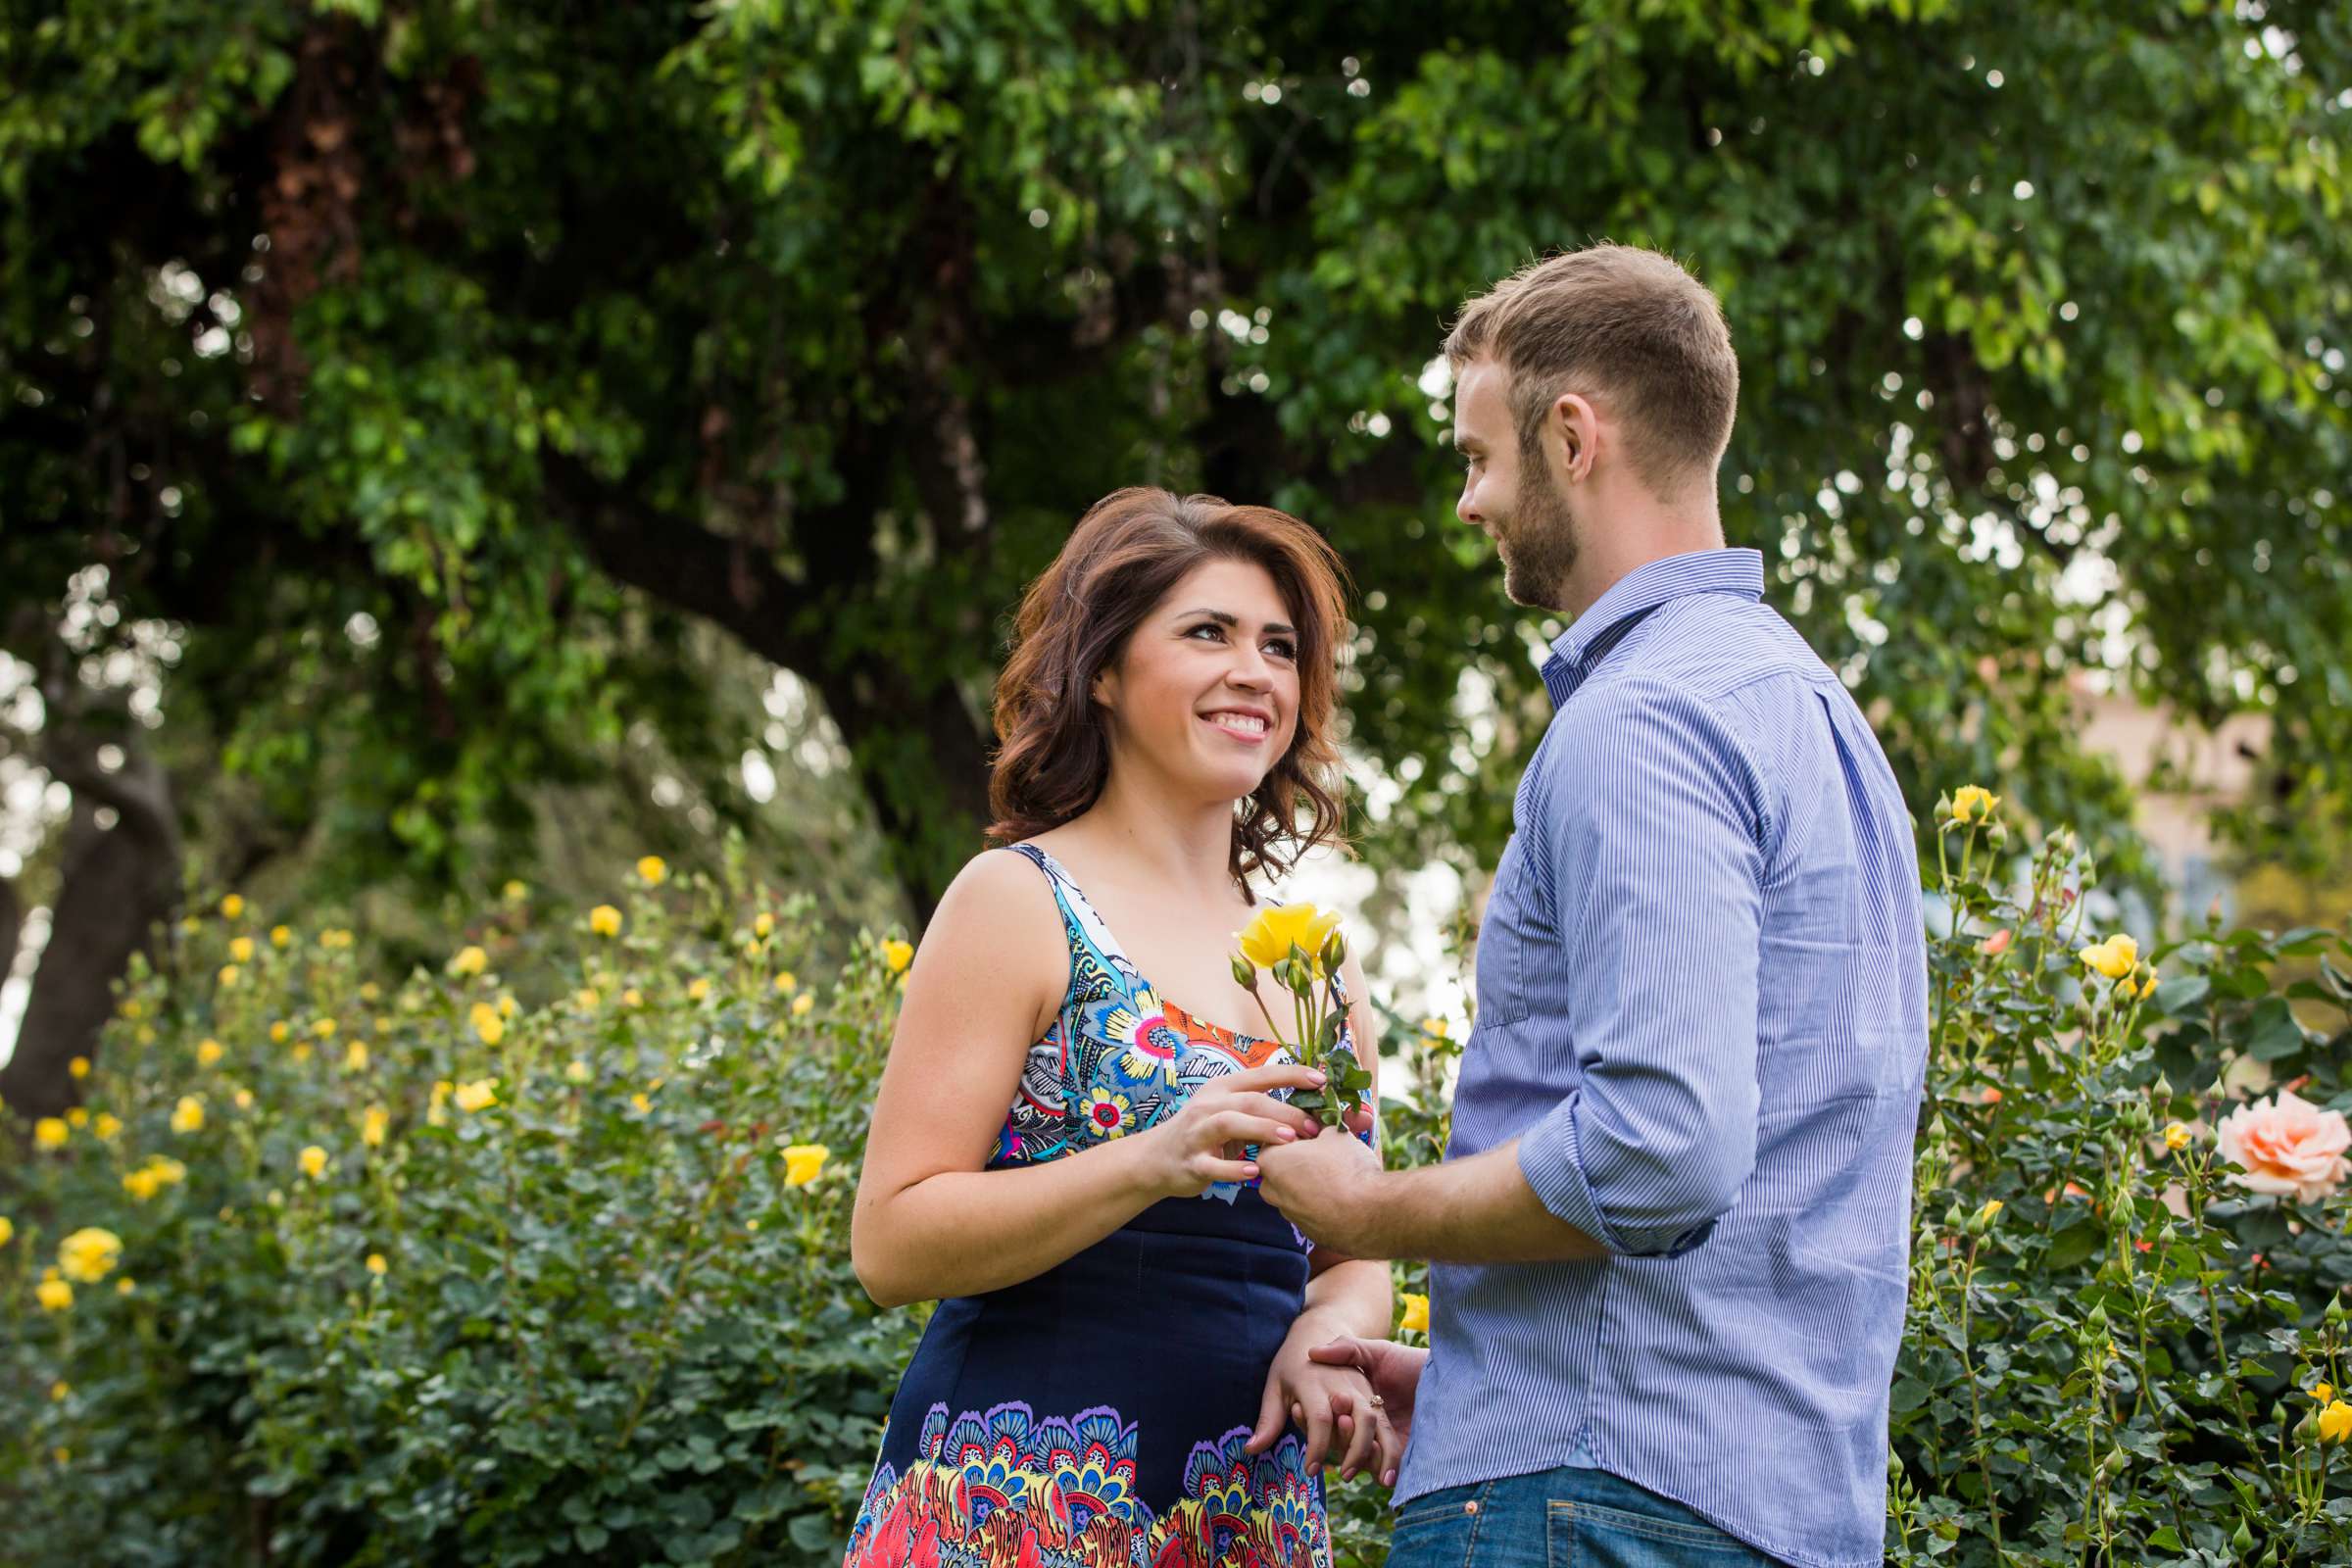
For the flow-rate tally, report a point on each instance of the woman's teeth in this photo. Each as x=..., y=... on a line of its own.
x=1242, y=724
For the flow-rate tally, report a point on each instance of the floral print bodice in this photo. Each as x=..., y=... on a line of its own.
x=1120, y=1057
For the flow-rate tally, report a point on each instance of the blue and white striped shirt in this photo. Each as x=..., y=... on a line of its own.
x=1702, y=1011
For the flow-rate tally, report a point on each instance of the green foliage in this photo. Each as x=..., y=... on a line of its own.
x=618, y=1324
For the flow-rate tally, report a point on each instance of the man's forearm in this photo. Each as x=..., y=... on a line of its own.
x=1474, y=1211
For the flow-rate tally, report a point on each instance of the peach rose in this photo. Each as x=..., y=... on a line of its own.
x=2287, y=1146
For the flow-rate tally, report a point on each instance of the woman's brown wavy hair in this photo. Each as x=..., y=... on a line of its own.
x=1130, y=549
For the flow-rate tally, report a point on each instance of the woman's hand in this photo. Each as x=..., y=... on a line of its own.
x=1334, y=1405
x=1202, y=1144
x=1395, y=1371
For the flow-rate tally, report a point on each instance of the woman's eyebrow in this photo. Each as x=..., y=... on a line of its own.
x=1227, y=619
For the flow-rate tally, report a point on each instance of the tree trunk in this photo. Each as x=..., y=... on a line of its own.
x=119, y=881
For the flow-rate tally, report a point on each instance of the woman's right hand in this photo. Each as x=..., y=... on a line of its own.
x=1202, y=1144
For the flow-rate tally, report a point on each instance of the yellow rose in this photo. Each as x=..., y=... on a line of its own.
x=2336, y=1422
x=50, y=1132
x=374, y=1123
x=355, y=1057
x=1416, y=1314
x=54, y=1295
x=643, y=1106
x=124, y=1286
x=167, y=1170
x=763, y=923
x=227, y=977
x=8, y=1230
x=507, y=1007
x=653, y=869
x=1435, y=1028
x=2114, y=957
x=1972, y=803
x=232, y=905
x=1270, y=937
x=586, y=997
x=479, y=1095
x=278, y=1030
x=898, y=955
x=208, y=1052
x=80, y=1068
x=803, y=1005
x=577, y=1072
x=241, y=950
x=514, y=891
x=487, y=1023
x=90, y=1254
x=79, y=1117
x=324, y=1028
x=632, y=998
x=787, y=982
x=368, y=991
x=2322, y=1392
x=2177, y=1136
x=189, y=1115
x=605, y=920
x=141, y=1185
x=377, y=1264
x=243, y=1099
x=301, y=1051
x=280, y=935
x=469, y=961
x=697, y=989
x=314, y=1162
x=802, y=1163
x=60, y=1391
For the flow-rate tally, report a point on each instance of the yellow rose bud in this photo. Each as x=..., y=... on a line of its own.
x=241, y=950
x=586, y=998
x=697, y=989
x=2177, y=1136
x=1416, y=1314
x=78, y=1068
x=514, y=891
x=763, y=923
x=898, y=955
x=479, y=1095
x=487, y=1023
x=803, y=1005
x=653, y=869
x=787, y=982
x=232, y=905
x=50, y=1132
x=507, y=1007
x=243, y=1099
x=605, y=920
x=355, y=1057
x=643, y=1104
x=804, y=1162
x=208, y=1052
x=124, y=1286
x=280, y=935
x=377, y=1264
x=60, y=1391
x=470, y=960
x=79, y=1117
x=227, y=977
x=279, y=1029
x=632, y=998
x=374, y=1123
x=314, y=1162
x=189, y=1115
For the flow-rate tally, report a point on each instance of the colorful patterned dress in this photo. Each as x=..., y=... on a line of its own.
x=1095, y=1414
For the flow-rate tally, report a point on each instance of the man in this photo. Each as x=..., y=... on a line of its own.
x=1670, y=1238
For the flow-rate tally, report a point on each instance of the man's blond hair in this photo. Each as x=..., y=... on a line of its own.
x=1622, y=325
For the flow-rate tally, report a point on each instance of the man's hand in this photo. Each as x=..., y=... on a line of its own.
x=1324, y=1184
x=1395, y=1370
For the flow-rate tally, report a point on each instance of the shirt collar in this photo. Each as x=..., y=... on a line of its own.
x=1738, y=571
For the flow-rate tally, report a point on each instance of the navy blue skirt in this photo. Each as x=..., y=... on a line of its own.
x=1097, y=1414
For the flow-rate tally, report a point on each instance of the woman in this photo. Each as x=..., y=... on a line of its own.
x=1118, y=1373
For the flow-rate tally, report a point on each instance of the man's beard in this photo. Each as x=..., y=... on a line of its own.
x=1539, y=546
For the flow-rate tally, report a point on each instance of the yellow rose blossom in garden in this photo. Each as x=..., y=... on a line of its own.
x=1972, y=803
x=124, y=1286
x=90, y=1254
x=507, y=1007
x=377, y=1264
x=434, y=1114
x=578, y=1071
x=243, y=1099
x=803, y=1005
x=241, y=950
x=653, y=869
x=898, y=955
x=697, y=989
x=368, y=991
x=79, y=1066
x=324, y=1028
x=189, y=1115
x=2336, y=1422
x=514, y=891
x=1435, y=1028
x=605, y=920
x=374, y=1123
x=61, y=1390
x=487, y=1023
x=763, y=923
x=2177, y=1136
x=227, y=977
x=2322, y=1392
x=314, y=1161
x=301, y=1051
x=632, y=998
x=54, y=1293
x=79, y=1117
x=587, y=998
x=232, y=905
x=1268, y=939
x=8, y=1230
x=50, y=1132
x=479, y=1095
x=643, y=1106
x=1991, y=1207
x=280, y=935
x=802, y=1163
x=787, y=982
x=2114, y=957
x=1416, y=1314
x=279, y=1029
x=208, y=1052
x=355, y=1057
x=469, y=962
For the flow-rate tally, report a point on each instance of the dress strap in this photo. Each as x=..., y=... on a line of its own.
x=1095, y=954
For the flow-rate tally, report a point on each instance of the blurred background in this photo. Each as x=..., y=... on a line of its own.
x=445, y=443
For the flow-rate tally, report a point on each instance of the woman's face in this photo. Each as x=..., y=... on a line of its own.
x=1206, y=691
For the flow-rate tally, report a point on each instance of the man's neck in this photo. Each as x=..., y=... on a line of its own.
x=1625, y=549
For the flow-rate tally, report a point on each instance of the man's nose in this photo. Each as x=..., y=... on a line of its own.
x=1466, y=507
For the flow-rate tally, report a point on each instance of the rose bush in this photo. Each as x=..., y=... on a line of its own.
x=540, y=1252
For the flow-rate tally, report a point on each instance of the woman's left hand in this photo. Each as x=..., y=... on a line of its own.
x=1334, y=1405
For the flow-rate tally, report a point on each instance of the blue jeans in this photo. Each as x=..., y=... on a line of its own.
x=1571, y=1517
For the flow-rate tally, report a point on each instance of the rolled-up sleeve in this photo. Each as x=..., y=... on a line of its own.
x=1648, y=807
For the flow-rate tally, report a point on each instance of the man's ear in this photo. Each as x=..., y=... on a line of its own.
x=1576, y=425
